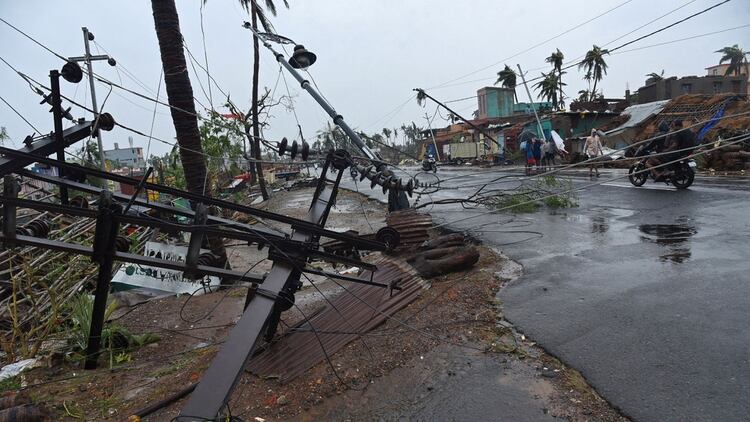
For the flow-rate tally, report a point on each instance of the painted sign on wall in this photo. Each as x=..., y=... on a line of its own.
x=133, y=275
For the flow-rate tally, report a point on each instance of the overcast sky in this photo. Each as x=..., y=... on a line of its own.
x=371, y=53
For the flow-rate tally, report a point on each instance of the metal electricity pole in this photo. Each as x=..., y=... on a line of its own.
x=533, y=106
x=463, y=119
x=88, y=58
x=429, y=126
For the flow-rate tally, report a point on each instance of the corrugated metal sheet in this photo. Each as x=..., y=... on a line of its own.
x=360, y=309
x=411, y=225
x=638, y=113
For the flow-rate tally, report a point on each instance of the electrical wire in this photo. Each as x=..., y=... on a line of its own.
x=534, y=46
x=742, y=138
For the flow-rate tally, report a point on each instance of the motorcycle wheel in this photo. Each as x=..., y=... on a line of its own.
x=683, y=178
x=637, y=174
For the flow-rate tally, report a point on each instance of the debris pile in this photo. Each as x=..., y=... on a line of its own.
x=39, y=284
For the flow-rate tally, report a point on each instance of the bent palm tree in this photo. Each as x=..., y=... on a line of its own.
x=556, y=60
x=594, y=65
x=180, y=94
x=550, y=88
x=507, y=77
x=737, y=59
x=182, y=107
x=653, y=76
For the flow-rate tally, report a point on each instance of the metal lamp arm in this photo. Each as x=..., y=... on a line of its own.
x=337, y=118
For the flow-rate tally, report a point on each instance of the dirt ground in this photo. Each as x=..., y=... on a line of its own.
x=416, y=358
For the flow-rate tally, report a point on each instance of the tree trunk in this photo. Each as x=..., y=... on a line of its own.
x=180, y=98
x=592, y=94
x=256, y=123
x=180, y=94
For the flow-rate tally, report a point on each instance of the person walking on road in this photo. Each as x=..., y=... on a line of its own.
x=537, y=150
x=593, y=150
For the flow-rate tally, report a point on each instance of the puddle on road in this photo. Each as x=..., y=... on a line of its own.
x=673, y=237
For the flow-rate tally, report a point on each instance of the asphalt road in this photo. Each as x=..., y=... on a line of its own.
x=644, y=290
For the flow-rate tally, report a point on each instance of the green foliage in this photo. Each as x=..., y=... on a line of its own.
x=548, y=190
x=10, y=384
x=595, y=67
x=736, y=57
x=221, y=139
x=550, y=88
x=117, y=340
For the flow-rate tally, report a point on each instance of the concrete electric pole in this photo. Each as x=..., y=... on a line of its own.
x=88, y=58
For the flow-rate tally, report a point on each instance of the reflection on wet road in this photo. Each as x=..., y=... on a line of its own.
x=673, y=237
x=616, y=288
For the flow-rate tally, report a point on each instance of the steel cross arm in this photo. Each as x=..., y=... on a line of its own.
x=128, y=257
x=44, y=147
x=480, y=130
x=154, y=205
x=251, y=235
x=84, y=58
x=293, y=222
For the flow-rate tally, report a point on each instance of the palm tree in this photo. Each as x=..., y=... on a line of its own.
x=736, y=57
x=594, y=65
x=653, y=76
x=556, y=60
x=583, y=95
x=257, y=14
x=550, y=88
x=508, y=78
x=387, y=134
x=180, y=94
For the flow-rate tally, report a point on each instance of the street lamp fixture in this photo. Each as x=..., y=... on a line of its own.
x=301, y=58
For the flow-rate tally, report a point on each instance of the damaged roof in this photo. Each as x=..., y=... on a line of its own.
x=638, y=113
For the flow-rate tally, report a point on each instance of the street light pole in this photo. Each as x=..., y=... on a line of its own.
x=88, y=58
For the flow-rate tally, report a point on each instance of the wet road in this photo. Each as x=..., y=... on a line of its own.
x=645, y=290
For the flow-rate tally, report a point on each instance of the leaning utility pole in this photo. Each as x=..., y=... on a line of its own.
x=533, y=106
x=468, y=122
x=88, y=58
x=429, y=126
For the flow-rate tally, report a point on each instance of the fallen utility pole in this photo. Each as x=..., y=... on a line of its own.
x=289, y=252
x=468, y=122
x=302, y=59
x=531, y=100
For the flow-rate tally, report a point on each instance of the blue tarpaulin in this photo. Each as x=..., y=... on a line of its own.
x=711, y=123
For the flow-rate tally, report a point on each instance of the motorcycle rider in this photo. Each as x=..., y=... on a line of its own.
x=677, y=145
x=428, y=163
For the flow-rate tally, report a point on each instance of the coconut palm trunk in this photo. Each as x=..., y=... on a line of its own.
x=256, y=122
x=182, y=107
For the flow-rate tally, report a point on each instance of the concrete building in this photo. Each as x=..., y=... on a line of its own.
x=721, y=69
x=127, y=157
x=671, y=88
x=495, y=102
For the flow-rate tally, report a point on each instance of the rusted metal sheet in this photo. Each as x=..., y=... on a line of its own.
x=411, y=225
x=357, y=310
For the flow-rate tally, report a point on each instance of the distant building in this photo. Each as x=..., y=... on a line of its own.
x=495, y=102
x=127, y=157
x=671, y=88
x=721, y=69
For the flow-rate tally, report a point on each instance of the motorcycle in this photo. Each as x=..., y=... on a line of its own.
x=680, y=174
x=429, y=165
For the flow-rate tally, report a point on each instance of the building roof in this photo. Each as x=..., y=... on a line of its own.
x=638, y=113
